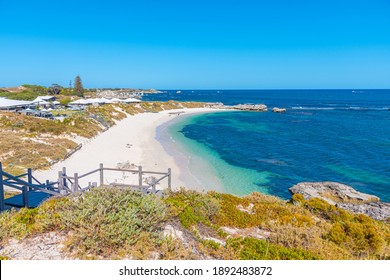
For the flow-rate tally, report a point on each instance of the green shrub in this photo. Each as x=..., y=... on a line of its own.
x=193, y=207
x=16, y=224
x=254, y=249
x=107, y=219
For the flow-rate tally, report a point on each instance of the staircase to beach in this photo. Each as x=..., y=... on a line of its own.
x=32, y=192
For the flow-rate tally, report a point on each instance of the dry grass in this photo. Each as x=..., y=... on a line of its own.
x=19, y=151
x=29, y=142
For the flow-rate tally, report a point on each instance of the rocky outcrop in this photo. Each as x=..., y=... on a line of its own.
x=376, y=210
x=279, y=110
x=344, y=197
x=332, y=192
x=250, y=107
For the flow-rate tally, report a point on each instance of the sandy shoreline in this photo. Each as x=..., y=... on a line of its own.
x=130, y=141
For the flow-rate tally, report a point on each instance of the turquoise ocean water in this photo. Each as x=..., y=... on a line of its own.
x=341, y=136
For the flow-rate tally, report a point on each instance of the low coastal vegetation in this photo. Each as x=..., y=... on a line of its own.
x=117, y=223
x=30, y=142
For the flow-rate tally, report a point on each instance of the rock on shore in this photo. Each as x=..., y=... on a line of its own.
x=344, y=197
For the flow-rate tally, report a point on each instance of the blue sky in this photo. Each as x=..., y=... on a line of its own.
x=197, y=44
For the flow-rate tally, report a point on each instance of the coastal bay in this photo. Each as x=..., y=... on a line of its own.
x=334, y=135
x=131, y=142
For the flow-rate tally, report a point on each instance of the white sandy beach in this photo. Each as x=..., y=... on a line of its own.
x=131, y=141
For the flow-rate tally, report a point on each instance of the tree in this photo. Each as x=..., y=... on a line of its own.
x=78, y=88
x=54, y=89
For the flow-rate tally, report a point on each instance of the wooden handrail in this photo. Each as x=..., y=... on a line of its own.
x=19, y=180
x=152, y=172
x=9, y=180
x=21, y=175
x=89, y=173
x=134, y=170
x=36, y=180
x=162, y=178
x=121, y=170
x=12, y=186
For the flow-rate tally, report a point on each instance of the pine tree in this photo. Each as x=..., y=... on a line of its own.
x=78, y=88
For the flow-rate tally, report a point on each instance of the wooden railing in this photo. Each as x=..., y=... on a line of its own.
x=16, y=182
x=70, y=184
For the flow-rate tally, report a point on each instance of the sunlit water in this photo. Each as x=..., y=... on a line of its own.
x=332, y=136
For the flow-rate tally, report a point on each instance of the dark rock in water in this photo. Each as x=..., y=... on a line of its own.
x=376, y=210
x=278, y=110
x=344, y=197
x=332, y=192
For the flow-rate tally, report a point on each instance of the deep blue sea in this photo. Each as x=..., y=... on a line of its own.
x=325, y=135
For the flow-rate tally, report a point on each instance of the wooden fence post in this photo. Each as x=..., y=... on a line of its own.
x=29, y=177
x=60, y=181
x=25, y=196
x=64, y=182
x=101, y=174
x=140, y=176
x=2, y=206
x=75, y=185
x=169, y=179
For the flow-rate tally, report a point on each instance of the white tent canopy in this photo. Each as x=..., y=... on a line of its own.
x=38, y=100
x=46, y=97
x=116, y=100
x=103, y=101
x=10, y=104
x=131, y=100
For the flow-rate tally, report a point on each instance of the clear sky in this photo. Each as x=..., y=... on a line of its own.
x=197, y=44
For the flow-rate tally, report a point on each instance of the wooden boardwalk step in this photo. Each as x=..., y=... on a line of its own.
x=35, y=198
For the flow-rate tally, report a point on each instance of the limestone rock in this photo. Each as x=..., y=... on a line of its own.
x=250, y=107
x=344, y=197
x=171, y=231
x=376, y=210
x=279, y=110
x=332, y=192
